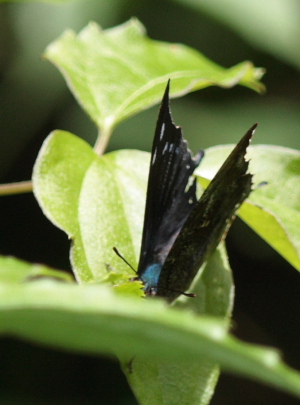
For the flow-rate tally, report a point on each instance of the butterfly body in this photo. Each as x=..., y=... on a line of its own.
x=180, y=232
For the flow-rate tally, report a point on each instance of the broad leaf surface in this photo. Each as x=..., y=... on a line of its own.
x=162, y=382
x=99, y=202
x=272, y=210
x=118, y=72
x=90, y=319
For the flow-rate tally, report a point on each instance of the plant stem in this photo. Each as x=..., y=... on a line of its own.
x=16, y=188
x=102, y=141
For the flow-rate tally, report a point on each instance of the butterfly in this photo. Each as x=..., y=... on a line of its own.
x=179, y=232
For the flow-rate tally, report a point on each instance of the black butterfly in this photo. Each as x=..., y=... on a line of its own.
x=180, y=233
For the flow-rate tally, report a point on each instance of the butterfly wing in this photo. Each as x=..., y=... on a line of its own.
x=171, y=193
x=207, y=223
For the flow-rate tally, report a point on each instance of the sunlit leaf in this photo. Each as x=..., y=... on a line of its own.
x=161, y=382
x=98, y=202
x=91, y=319
x=118, y=72
x=273, y=210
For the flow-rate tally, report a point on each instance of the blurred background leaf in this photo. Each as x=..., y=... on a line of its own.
x=258, y=22
x=35, y=100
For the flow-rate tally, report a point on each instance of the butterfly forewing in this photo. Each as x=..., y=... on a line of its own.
x=207, y=223
x=170, y=195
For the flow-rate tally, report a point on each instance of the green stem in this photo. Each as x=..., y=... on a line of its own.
x=102, y=141
x=16, y=188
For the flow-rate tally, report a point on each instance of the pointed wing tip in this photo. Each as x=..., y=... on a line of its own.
x=165, y=112
x=166, y=93
x=252, y=130
x=247, y=138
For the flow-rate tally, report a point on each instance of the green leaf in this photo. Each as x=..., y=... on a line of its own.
x=91, y=319
x=163, y=382
x=273, y=210
x=98, y=202
x=14, y=271
x=120, y=71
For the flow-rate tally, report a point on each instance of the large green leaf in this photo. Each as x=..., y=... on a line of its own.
x=117, y=72
x=98, y=202
x=92, y=319
x=162, y=382
x=273, y=210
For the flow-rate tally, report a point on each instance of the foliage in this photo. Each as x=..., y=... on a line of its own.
x=99, y=203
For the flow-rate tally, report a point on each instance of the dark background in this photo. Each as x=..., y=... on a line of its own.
x=35, y=100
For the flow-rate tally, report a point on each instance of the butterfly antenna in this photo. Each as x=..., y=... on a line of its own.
x=190, y=295
x=123, y=258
